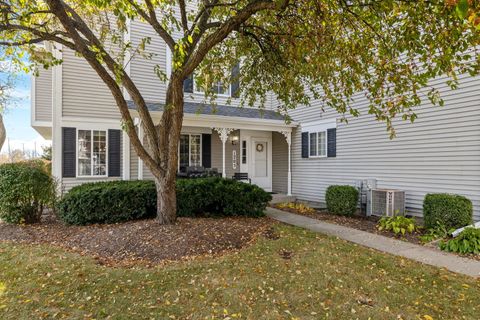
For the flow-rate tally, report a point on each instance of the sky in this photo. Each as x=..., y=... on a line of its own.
x=20, y=135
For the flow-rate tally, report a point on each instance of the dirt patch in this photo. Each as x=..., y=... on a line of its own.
x=368, y=224
x=143, y=241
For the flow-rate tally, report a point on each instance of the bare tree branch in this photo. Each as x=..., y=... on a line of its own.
x=183, y=13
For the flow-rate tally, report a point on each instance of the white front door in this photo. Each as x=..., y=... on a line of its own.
x=261, y=173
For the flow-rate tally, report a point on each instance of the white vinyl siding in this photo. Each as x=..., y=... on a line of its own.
x=279, y=163
x=43, y=96
x=439, y=152
x=84, y=93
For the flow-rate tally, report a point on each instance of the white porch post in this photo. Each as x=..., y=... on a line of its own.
x=288, y=138
x=223, y=133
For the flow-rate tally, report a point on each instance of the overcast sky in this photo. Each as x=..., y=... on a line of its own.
x=17, y=120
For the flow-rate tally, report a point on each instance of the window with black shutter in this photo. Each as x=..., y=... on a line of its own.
x=332, y=142
x=304, y=144
x=114, y=152
x=69, y=142
x=207, y=150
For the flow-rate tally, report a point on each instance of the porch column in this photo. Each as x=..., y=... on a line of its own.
x=288, y=138
x=223, y=133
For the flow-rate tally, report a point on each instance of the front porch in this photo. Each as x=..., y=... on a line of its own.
x=235, y=140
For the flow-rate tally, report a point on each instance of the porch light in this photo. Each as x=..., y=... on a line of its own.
x=234, y=140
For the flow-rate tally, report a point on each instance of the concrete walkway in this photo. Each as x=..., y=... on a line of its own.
x=400, y=248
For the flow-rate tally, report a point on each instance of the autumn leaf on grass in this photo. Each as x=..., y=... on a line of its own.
x=427, y=317
x=3, y=287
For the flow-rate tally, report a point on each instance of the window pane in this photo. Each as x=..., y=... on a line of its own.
x=313, y=144
x=84, y=152
x=244, y=152
x=322, y=144
x=195, y=158
x=99, y=153
x=184, y=147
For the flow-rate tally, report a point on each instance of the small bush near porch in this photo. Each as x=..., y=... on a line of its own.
x=118, y=201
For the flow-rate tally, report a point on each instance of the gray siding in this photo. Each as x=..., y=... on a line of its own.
x=142, y=70
x=143, y=74
x=43, y=96
x=133, y=164
x=84, y=93
x=440, y=152
x=279, y=163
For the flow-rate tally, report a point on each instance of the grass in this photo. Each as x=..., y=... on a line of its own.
x=326, y=278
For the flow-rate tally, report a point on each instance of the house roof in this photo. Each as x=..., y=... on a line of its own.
x=219, y=110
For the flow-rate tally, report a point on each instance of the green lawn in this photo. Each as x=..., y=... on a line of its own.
x=325, y=278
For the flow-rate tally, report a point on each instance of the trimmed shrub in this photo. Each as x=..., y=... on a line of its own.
x=25, y=190
x=108, y=202
x=220, y=197
x=342, y=200
x=448, y=210
x=117, y=201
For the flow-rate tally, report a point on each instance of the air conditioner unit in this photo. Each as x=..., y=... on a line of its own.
x=386, y=202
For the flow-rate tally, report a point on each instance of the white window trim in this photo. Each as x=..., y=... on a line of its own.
x=326, y=144
x=316, y=127
x=189, y=148
x=91, y=176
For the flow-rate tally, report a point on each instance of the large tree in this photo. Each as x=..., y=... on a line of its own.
x=296, y=50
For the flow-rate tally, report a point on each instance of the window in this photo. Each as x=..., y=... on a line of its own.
x=244, y=151
x=92, y=153
x=190, y=151
x=318, y=144
x=218, y=88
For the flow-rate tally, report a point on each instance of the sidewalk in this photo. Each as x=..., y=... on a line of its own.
x=404, y=249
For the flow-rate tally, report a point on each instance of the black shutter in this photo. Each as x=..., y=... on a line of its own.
x=304, y=144
x=332, y=142
x=207, y=150
x=114, y=144
x=188, y=84
x=69, y=146
x=236, y=81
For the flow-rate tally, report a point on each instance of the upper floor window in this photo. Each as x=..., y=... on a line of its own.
x=218, y=88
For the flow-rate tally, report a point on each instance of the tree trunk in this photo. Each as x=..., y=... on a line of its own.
x=3, y=132
x=166, y=201
x=169, y=136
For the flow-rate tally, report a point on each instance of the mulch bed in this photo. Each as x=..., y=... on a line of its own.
x=143, y=241
x=368, y=224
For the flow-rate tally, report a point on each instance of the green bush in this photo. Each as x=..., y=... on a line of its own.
x=342, y=200
x=220, y=197
x=108, y=202
x=25, y=190
x=467, y=242
x=116, y=201
x=397, y=225
x=449, y=210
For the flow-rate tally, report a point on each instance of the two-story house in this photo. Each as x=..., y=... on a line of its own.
x=440, y=152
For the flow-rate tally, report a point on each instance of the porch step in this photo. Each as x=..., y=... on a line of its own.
x=279, y=198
